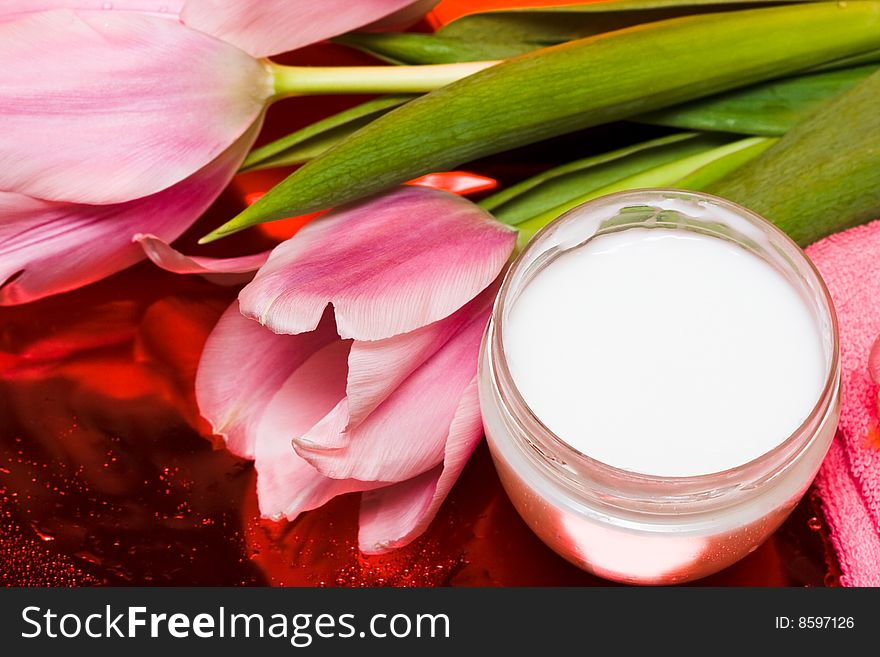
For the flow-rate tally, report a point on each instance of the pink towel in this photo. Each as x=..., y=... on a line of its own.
x=849, y=481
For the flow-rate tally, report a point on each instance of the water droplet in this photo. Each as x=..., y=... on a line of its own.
x=90, y=557
x=814, y=523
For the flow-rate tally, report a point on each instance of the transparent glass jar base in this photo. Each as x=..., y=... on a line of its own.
x=650, y=553
x=631, y=527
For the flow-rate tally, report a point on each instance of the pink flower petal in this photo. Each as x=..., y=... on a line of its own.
x=48, y=247
x=377, y=368
x=407, y=434
x=16, y=8
x=389, y=265
x=269, y=27
x=286, y=484
x=106, y=107
x=242, y=368
x=403, y=18
x=224, y=271
x=391, y=517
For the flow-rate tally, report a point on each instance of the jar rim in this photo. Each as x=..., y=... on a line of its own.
x=564, y=458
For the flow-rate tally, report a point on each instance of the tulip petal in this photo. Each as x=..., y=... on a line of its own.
x=167, y=8
x=393, y=516
x=388, y=265
x=402, y=18
x=106, y=107
x=269, y=27
x=224, y=271
x=407, y=434
x=286, y=484
x=48, y=247
x=243, y=366
x=376, y=369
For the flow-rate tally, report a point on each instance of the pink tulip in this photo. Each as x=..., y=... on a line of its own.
x=130, y=117
x=357, y=342
x=123, y=105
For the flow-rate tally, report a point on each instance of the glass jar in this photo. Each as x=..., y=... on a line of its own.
x=639, y=528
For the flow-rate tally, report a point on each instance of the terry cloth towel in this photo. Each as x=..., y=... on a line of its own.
x=849, y=480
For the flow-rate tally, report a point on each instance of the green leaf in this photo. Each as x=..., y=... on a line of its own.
x=415, y=48
x=309, y=142
x=551, y=25
x=715, y=170
x=824, y=175
x=771, y=108
x=501, y=34
x=567, y=88
x=669, y=174
x=558, y=185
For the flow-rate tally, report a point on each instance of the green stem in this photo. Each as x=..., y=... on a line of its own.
x=316, y=80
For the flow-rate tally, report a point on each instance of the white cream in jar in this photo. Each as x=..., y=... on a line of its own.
x=665, y=352
x=659, y=383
